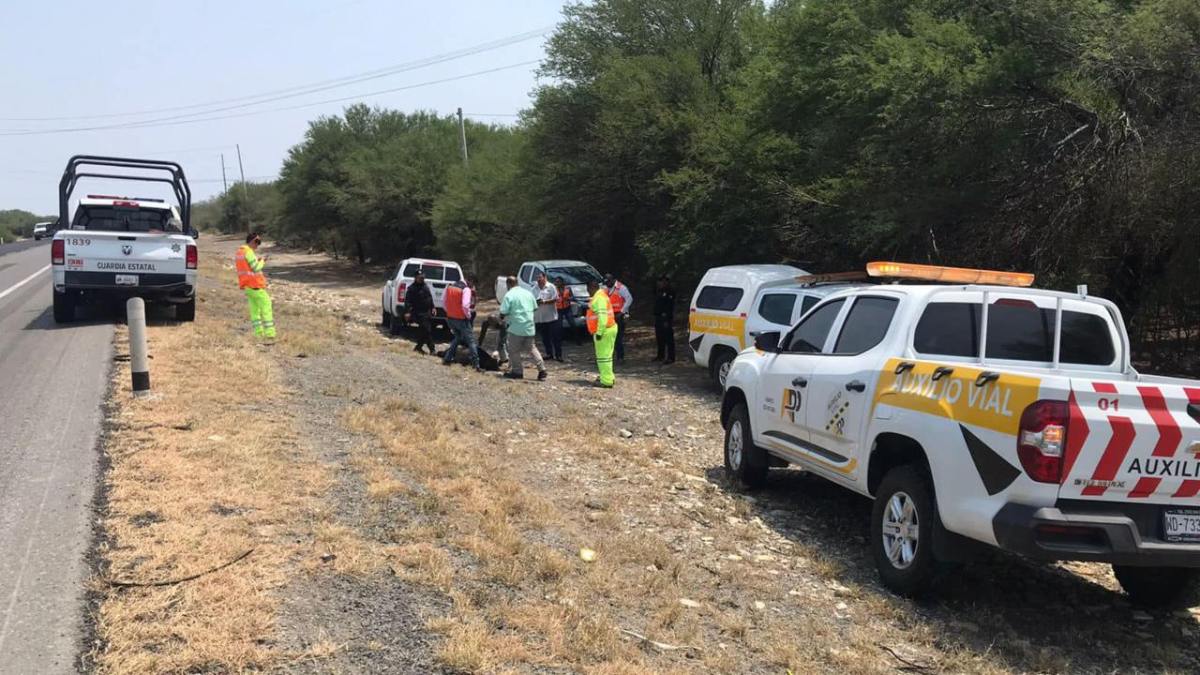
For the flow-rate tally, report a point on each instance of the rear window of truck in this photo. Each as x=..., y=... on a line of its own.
x=720, y=298
x=433, y=272
x=1017, y=330
x=121, y=219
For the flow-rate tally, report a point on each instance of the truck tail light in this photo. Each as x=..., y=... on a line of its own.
x=1041, y=439
x=58, y=252
x=193, y=256
x=400, y=292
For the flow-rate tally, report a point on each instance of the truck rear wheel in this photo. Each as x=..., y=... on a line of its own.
x=745, y=462
x=395, y=324
x=1169, y=587
x=64, y=307
x=186, y=311
x=718, y=367
x=386, y=319
x=902, y=526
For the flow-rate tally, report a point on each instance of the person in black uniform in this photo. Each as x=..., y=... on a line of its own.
x=664, y=320
x=419, y=304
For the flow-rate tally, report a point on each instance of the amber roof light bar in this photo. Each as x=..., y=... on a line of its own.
x=949, y=275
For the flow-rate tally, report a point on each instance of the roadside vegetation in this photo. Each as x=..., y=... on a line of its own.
x=1054, y=136
x=15, y=223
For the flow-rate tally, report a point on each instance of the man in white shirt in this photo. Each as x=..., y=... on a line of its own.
x=622, y=302
x=546, y=316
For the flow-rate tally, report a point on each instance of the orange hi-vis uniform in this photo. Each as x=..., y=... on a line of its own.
x=615, y=297
x=599, y=312
x=453, y=300
x=564, y=299
x=252, y=280
x=249, y=269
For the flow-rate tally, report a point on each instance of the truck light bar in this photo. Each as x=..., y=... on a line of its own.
x=953, y=275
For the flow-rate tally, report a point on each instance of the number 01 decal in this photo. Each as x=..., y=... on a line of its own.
x=1109, y=404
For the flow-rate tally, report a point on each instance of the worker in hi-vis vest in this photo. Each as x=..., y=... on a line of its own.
x=252, y=280
x=603, y=327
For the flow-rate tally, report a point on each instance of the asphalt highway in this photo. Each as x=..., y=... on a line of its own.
x=52, y=386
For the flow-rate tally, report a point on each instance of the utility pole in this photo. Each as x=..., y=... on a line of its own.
x=224, y=181
x=462, y=136
x=245, y=197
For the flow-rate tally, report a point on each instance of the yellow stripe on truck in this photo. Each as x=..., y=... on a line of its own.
x=716, y=324
x=997, y=405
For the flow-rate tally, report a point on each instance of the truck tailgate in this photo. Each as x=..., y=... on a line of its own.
x=1133, y=441
x=126, y=252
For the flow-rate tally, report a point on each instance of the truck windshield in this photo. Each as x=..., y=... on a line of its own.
x=122, y=219
x=575, y=275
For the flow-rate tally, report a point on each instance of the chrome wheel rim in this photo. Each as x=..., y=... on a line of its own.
x=901, y=530
x=723, y=373
x=733, y=446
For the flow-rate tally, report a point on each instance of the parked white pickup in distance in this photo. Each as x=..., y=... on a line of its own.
x=575, y=273
x=980, y=416
x=439, y=274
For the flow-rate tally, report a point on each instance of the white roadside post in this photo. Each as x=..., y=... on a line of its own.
x=135, y=317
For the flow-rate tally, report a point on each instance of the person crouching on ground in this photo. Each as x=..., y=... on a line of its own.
x=252, y=280
x=418, y=304
x=518, y=309
x=458, y=301
x=604, y=329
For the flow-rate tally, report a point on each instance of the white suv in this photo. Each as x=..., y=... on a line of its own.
x=980, y=416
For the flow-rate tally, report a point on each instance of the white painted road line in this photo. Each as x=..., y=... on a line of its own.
x=22, y=282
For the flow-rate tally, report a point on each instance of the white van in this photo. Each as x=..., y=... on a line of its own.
x=439, y=274
x=733, y=304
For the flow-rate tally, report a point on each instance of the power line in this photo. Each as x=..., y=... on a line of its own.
x=175, y=122
x=299, y=90
x=475, y=114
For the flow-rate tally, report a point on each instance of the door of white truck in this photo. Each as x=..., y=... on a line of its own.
x=786, y=379
x=842, y=387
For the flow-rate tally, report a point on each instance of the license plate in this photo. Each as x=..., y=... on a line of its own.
x=1182, y=526
x=127, y=280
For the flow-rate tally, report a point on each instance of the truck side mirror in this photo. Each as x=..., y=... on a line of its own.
x=768, y=342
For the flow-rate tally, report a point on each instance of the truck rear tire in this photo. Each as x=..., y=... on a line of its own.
x=386, y=319
x=395, y=325
x=1162, y=587
x=745, y=462
x=902, y=526
x=186, y=311
x=64, y=307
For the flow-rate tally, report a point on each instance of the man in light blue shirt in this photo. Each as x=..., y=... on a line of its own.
x=517, y=310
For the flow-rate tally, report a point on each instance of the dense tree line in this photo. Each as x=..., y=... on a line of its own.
x=1056, y=136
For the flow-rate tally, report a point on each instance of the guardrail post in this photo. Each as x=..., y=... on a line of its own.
x=135, y=317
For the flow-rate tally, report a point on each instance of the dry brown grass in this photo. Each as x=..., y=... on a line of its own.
x=200, y=472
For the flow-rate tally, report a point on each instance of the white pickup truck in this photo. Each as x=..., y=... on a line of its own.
x=122, y=247
x=979, y=415
x=575, y=273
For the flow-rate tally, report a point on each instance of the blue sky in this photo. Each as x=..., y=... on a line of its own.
x=98, y=60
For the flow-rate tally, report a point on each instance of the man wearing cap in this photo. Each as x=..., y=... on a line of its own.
x=252, y=280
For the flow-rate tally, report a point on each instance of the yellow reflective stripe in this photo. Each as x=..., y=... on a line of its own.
x=996, y=405
x=717, y=324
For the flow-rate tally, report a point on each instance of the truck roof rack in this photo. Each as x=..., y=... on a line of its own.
x=76, y=169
